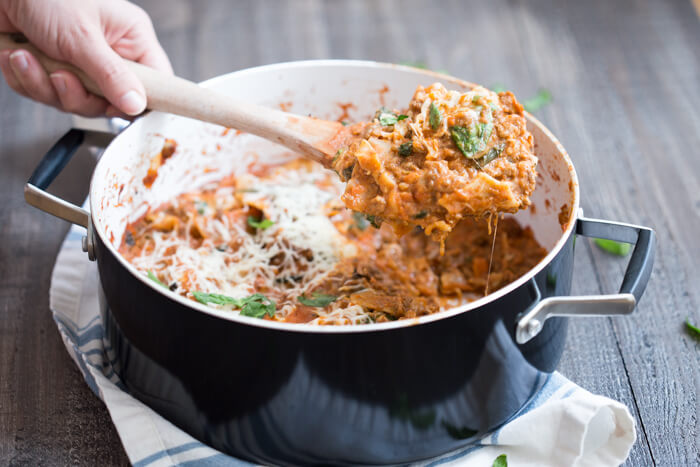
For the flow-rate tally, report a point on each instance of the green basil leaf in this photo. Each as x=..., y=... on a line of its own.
x=262, y=224
x=692, y=330
x=255, y=306
x=541, y=99
x=613, y=247
x=501, y=461
x=493, y=153
x=386, y=118
x=421, y=215
x=215, y=298
x=435, y=116
x=318, y=300
x=401, y=117
x=155, y=279
x=466, y=139
x=405, y=149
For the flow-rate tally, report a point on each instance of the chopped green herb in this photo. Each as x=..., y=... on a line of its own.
x=360, y=222
x=692, y=330
x=201, y=206
x=344, y=123
x=475, y=99
x=435, y=116
x=458, y=433
x=613, y=247
x=261, y=224
x=318, y=300
x=405, y=149
x=387, y=118
x=255, y=306
x=493, y=153
x=155, y=279
x=374, y=220
x=401, y=117
x=420, y=215
x=501, y=461
x=467, y=139
x=542, y=98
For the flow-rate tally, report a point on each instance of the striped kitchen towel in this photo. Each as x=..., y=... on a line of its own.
x=563, y=424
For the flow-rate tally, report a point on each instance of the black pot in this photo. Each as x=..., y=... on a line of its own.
x=373, y=394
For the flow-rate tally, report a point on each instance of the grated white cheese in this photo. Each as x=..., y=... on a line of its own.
x=293, y=255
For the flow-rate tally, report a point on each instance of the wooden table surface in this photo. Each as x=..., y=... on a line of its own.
x=625, y=76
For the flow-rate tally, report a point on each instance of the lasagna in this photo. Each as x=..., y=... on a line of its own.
x=450, y=155
x=279, y=244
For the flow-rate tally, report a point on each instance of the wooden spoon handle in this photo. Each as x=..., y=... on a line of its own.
x=312, y=137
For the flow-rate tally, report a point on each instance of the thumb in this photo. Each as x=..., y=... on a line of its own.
x=118, y=84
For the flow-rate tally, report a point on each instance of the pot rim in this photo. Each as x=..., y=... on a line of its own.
x=343, y=329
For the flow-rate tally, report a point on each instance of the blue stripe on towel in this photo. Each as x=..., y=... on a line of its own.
x=217, y=460
x=168, y=452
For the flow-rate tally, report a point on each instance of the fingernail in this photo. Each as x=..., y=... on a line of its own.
x=59, y=83
x=19, y=61
x=132, y=103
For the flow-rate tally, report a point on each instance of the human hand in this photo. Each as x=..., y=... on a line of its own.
x=93, y=35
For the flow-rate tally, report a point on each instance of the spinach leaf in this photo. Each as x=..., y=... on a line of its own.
x=318, y=300
x=260, y=224
x=501, y=461
x=374, y=220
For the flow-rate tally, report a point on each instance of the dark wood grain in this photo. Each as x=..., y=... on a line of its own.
x=625, y=77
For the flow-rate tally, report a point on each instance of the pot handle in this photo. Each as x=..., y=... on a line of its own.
x=634, y=282
x=51, y=165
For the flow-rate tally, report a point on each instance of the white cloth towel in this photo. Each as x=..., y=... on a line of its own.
x=563, y=424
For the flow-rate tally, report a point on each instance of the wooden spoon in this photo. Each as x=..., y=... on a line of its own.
x=315, y=139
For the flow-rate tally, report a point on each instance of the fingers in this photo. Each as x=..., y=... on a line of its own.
x=32, y=77
x=9, y=75
x=74, y=98
x=118, y=84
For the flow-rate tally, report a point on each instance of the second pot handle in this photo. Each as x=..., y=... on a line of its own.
x=621, y=303
x=51, y=165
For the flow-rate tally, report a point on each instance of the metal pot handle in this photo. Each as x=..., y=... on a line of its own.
x=51, y=165
x=635, y=280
